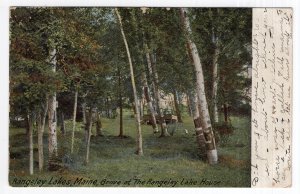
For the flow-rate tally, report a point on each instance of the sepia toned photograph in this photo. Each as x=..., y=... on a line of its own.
x=149, y=97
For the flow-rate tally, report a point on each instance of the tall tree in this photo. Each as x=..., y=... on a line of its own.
x=149, y=102
x=215, y=77
x=41, y=120
x=223, y=37
x=197, y=122
x=121, y=134
x=52, y=117
x=200, y=89
x=89, y=133
x=74, y=119
x=162, y=121
x=137, y=115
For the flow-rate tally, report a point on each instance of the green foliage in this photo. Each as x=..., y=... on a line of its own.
x=91, y=55
x=228, y=29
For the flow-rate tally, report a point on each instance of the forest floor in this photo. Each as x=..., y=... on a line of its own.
x=167, y=162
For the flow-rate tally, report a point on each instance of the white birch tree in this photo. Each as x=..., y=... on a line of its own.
x=52, y=119
x=211, y=148
x=139, y=139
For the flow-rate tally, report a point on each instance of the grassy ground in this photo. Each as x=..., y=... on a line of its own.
x=167, y=162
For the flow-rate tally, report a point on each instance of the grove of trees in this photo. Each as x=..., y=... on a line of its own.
x=82, y=64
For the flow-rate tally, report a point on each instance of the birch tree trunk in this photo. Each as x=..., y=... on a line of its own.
x=30, y=137
x=121, y=129
x=52, y=120
x=137, y=114
x=121, y=134
x=41, y=120
x=162, y=121
x=200, y=89
x=45, y=113
x=197, y=123
x=215, y=79
x=177, y=109
x=40, y=140
x=89, y=133
x=149, y=103
x=151, y=77
x=74, y=120
x=86, y=128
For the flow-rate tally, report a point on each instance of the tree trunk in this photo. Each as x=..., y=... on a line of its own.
x=149, y=102
x=99, y=130
x=225, y=105
x=63, y=126
x=200, y=89
x=40, y=140
x=121, y=129
x=121, y=134
x=215, y=79
x=137, y=115
x=151, y=81
x=86, y=128
x=30, y=137
x=162, y=121
x=89, y=133
x=41, y=120
x=52, y=120
x=177, y=109
x=74, y=120
x=141, y=107
x=197, y=123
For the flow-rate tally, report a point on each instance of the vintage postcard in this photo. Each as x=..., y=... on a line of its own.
x=150, y=97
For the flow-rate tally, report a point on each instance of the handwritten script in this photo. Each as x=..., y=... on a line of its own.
x=271, y=97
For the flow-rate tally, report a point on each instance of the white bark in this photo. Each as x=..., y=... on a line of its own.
x=41, y=129
x=52, y=120
x=163, y=125
x=197, y=123
x=200, y=89
x=149, y=102
x=137, y=114
x=74, y=120
x=149, y=66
